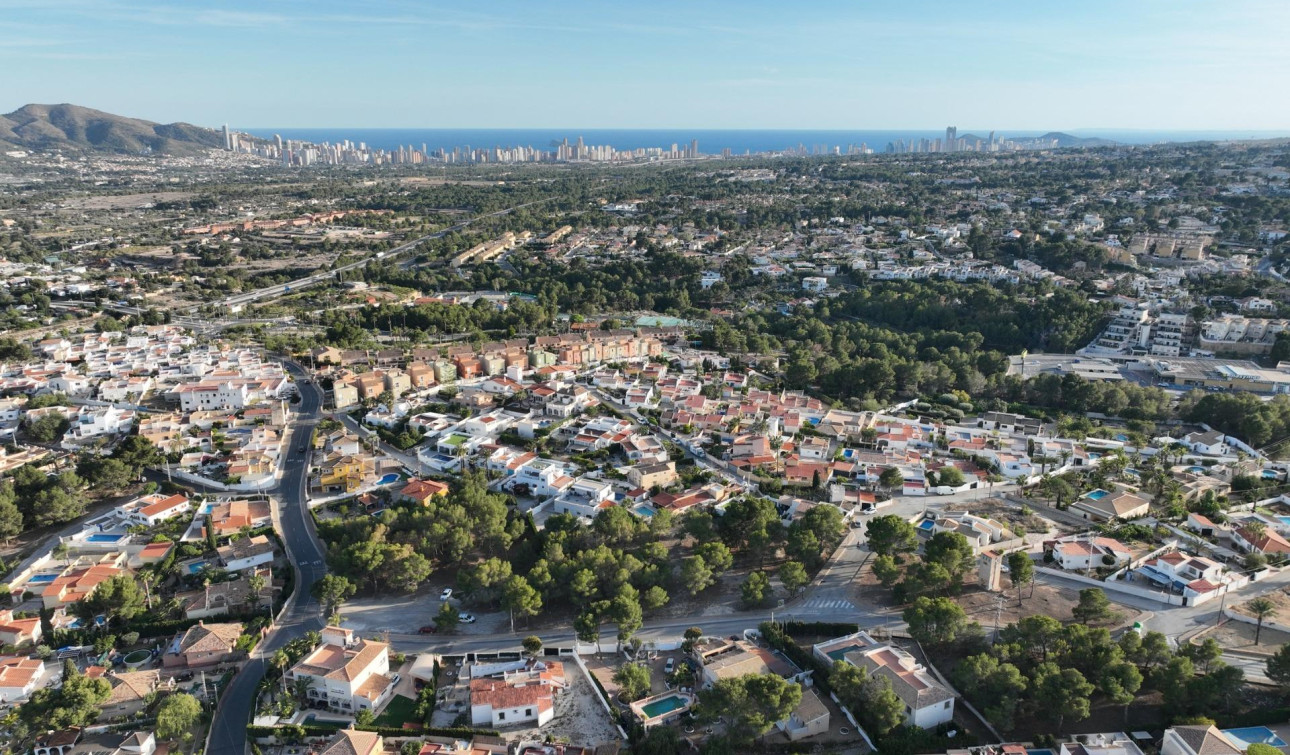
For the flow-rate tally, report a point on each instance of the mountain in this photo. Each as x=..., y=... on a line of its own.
x=73, y=127
x=1067, y=140
x=1061, y=139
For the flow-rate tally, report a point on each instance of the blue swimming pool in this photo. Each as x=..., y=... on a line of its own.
x=926, y=524
x=42, y=579
x=1096, y=495
x=197, y=568
x=1270, y=474
x=1256, y=734
x=645, y=511
x=387, y=479
x=1285, y=520
x=1196, y=470
x=104, y=538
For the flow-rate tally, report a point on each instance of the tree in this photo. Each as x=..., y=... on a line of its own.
x=519, y=597
x=625, y=611
x=1120, y=683
x=891, y=479
x=793, y=576
x=48, y=428
x=212, y=539
x=750, y=704
x=1063, y=693
x=177, y=715
x=532, y=645
x=1021, y=570
x=331, y=591
x=448, y=618
x=1093, y=606
x=755, y=589
x=633, y=680
x=10, y=515
x=117, y=597
x=695, y=575
x=654, y=598
x=950, y=476
x=869, y=698
x=1203, y=655
x=886, y=570
x=952, y=552
x=935, y=621
x=690, y=638
x=890, y=535
x=1278, y=666
x=1260, y=608
x=75, y=703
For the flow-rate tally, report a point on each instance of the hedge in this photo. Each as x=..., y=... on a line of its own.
x=1256, y=717
x=306, y=730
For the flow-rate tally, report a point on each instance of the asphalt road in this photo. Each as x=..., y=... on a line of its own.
x=302, y=614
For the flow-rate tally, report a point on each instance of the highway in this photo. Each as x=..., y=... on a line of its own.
x=302, y=613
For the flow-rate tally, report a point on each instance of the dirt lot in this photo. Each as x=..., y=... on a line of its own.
x=1280, y=599
x=1056, y=602
x=1237, y=635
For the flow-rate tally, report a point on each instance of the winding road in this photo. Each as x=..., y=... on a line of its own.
x=302, y=613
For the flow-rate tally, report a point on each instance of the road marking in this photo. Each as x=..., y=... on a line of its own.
x=822, y=603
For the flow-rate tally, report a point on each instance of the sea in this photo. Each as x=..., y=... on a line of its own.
x=711, y=141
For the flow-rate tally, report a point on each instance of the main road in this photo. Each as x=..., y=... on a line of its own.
x=302, y=613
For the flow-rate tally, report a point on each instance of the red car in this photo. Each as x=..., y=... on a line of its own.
x=428, y=629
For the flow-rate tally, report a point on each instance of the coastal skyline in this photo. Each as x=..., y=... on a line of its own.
x=836, y=66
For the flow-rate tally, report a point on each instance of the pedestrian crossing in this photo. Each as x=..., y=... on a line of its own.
x=835, y=605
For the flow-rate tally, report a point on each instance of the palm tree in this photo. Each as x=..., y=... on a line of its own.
x=256, y=583
x=301, y=686
x=1261, y=608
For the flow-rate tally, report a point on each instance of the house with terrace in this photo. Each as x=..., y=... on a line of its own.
x=1085, y=552
x=928, y=704
x=1105, y=506
x=345, y=673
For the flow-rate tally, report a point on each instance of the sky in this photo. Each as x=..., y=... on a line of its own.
x=832, y=64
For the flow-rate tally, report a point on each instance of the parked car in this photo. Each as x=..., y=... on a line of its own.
x=428, y=629
x=446, y=594
x=670, y=666
x=467, y=618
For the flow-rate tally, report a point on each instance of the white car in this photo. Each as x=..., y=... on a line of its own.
x=446, y=594
x=669, y=666
x=467, y=618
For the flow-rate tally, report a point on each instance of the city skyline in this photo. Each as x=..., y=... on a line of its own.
x=395, y=64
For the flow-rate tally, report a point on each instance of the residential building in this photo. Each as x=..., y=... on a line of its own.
x=508, y=694
x=1106, y=506
x=246, y=553
x=204, y=645
x=1199, y=739
x=346, y=673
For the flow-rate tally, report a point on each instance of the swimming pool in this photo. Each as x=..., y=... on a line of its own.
x=663, y=706
x=1285, y=520
x=1196, y=470
x=1096, y=495
x=644, y=511
x=387, y=479
x=1256, y=734
x=1270, y=474
x=42, y=579
x=103, y=538
x=926, y=524
x=197, y=568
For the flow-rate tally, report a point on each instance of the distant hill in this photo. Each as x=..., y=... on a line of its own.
x=1063, y=140
x=73, y=127
x=1067, y=140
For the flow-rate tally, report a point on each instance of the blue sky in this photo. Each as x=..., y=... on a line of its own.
x=850, y=64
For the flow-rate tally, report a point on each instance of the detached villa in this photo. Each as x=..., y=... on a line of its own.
x=346, y=673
